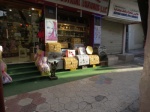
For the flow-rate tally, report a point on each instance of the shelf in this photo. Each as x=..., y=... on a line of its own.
x=70, y=30
x=71, y=23
x=66, y=35
x=67, y=31
x=78, y=31
x=70, y=36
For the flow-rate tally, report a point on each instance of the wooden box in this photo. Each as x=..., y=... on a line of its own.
x=53, y=47
x=94, y=59
x=70, y=63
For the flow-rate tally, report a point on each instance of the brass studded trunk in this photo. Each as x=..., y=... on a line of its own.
x=94, y=59
x=53, y=47
x=70, y=63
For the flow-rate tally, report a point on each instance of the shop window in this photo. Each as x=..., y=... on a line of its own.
x=18, y=29
x=71, y=26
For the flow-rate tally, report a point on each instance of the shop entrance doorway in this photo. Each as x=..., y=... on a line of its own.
x=19, y=27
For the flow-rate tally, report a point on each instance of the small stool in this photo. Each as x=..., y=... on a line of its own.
x=22, y=52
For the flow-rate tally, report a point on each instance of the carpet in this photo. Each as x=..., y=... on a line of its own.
x=63, y=77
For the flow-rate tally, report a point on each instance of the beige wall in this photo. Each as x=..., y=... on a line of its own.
x=136, y=36
x=112, y=36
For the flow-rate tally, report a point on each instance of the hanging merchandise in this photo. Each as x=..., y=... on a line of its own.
x=45, y=68
x=38, y=57
x=41, y=33
x=97, y=30
x=5, y=76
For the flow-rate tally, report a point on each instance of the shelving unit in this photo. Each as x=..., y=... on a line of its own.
x=66, y=31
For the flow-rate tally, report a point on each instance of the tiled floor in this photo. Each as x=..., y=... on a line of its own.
x=111, y=92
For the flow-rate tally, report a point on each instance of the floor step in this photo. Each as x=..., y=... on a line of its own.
x=23, y=72
x=19, y=65
x=26, y=76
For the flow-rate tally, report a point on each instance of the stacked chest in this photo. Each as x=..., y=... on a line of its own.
x=94, y=59
x=53, y=47
x=53, y=52
x=70, y=63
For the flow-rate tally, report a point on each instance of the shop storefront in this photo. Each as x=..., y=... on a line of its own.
x=75, y=18
x=74, y=24
x=58, y=27
x=114, y=32
x=23, y=25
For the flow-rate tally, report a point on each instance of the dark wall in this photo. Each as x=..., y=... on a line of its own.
x=143, y=7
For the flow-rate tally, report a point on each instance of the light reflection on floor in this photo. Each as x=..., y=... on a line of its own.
x=11, y=60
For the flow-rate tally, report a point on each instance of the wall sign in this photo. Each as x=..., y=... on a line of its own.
x=97, y=30
x=95, y=6
x=50, y=30
x=127, y=10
